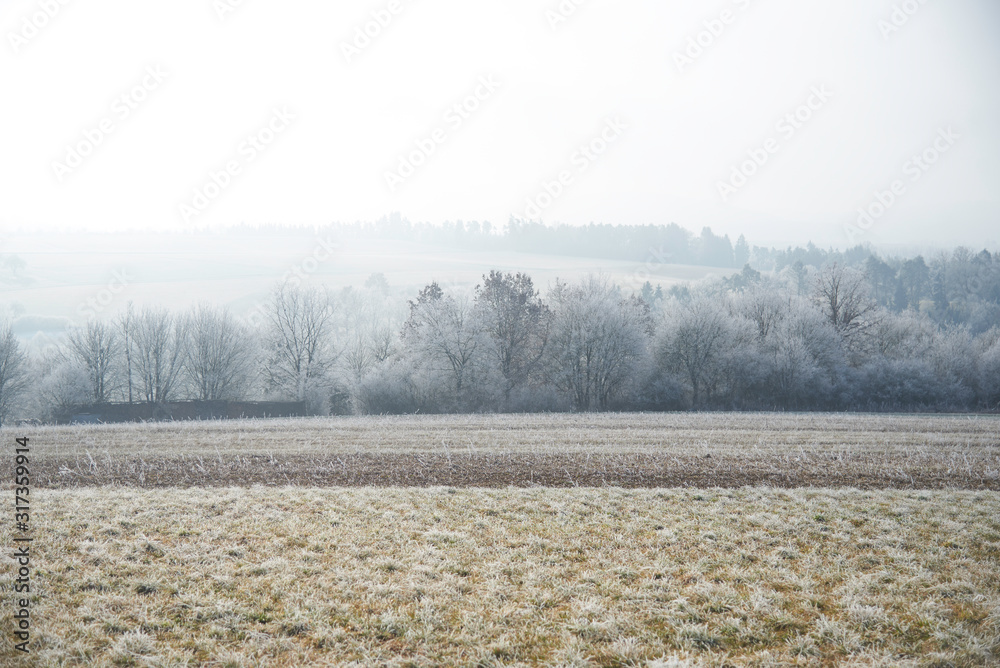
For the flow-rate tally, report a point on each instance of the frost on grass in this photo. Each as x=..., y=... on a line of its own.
x=586, y=450
x=405, y=576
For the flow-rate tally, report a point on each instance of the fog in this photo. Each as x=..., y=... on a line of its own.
x=215, y=113
x=447, y=206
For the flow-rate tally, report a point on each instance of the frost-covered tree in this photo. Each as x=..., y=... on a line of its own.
x=298, y=335
x=516, y=323
x=764, y=305
x=842, y=295
x=444, y=335
x=13, y=372
x=221, y=354
x=159, y=343
x=597, y=341
x=898, y=336
x=369, y=325
x=989, y=369
x=801, y=357
x=955, y=363
x=696, y=338
x=63, y=385
x=125, y=324
x=96, y=347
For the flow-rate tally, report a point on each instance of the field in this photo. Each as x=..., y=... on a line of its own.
x=690, y=539
x=625, y=450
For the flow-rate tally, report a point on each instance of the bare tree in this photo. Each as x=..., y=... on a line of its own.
x=443, y=334
x=126, y=323
x=13, y=372
x=799, y=358
x=695, y=340
x=159, y=353
x=382, y=342
x=358, y=357
x=764, y=306
x=842, y=295
x=597, y=339
x=95, y=346
x=517, y=323
x=221, y=353
x=299, y=331
x=370, y=321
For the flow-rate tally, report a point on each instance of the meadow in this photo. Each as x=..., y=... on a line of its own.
x=879, y=546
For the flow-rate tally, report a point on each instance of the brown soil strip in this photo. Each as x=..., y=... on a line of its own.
x=863, y=471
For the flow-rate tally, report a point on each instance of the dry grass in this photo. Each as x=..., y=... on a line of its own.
x=395, y=571
x=297, y=576
x=627, y=450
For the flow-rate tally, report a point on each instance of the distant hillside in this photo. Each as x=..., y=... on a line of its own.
x=61, y=279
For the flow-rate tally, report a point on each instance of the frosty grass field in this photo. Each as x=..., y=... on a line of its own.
x=691, y=539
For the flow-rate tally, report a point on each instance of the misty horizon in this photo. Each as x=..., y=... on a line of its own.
x=837, y=124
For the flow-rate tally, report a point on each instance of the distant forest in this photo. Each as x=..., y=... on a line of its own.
x=806, y=329
x=663, y=243
x=957, y=287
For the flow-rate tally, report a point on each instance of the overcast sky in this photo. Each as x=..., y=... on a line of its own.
x=667, y=120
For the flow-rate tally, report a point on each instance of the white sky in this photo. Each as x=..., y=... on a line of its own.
x=558, y=87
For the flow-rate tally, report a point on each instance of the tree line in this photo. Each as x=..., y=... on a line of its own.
x=669, y=243
x=835, y=337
